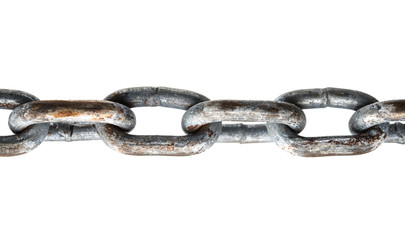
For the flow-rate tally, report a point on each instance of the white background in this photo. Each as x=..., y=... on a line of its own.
x=224, y=50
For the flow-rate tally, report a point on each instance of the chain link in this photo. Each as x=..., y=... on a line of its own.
x=193, y=143
x=280, y=121
x=328, y=145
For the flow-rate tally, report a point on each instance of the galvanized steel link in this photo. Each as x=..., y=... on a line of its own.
x=190, y=144
x=72, y=113
x=243, y=111
x=328, y=145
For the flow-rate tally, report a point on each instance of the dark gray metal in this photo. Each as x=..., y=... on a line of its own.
x=27, y=139
x=243, y=111
x=381, y=113
x=330, y=145
x=156, y=97
x=190, y=144
x=327, y=97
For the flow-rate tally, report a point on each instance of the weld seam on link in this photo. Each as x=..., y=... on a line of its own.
x=327, y=97
x=152, y=97
x=70, y=133
x=242, y=133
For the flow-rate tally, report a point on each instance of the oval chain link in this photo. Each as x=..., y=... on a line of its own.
x=190, y=144
x=77, y=113
x=288, y=140
x=243, y=111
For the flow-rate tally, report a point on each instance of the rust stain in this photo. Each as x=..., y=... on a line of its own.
x=210, y=132
x=193, y=128
x=100, y=118
x=66, y=113
x=8, y=106
x=229, y=105
x=399, y=110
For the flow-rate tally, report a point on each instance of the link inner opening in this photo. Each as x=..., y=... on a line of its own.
x=322, y=122
x=158, y=121
x=4, y=129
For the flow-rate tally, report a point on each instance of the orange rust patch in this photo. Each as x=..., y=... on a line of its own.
x=193, y=128
x=101, y=118
x=66, y=113
x=229, y=105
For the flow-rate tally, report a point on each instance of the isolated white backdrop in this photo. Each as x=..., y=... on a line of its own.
x=224, y=50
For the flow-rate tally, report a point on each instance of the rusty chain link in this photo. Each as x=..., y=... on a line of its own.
x=280, y=121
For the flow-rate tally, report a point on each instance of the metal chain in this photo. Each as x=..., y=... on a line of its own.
x=280, y=121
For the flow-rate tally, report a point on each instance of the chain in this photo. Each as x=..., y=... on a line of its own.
x=280, y=121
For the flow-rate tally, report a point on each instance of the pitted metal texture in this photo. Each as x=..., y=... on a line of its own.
x=280, y=121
